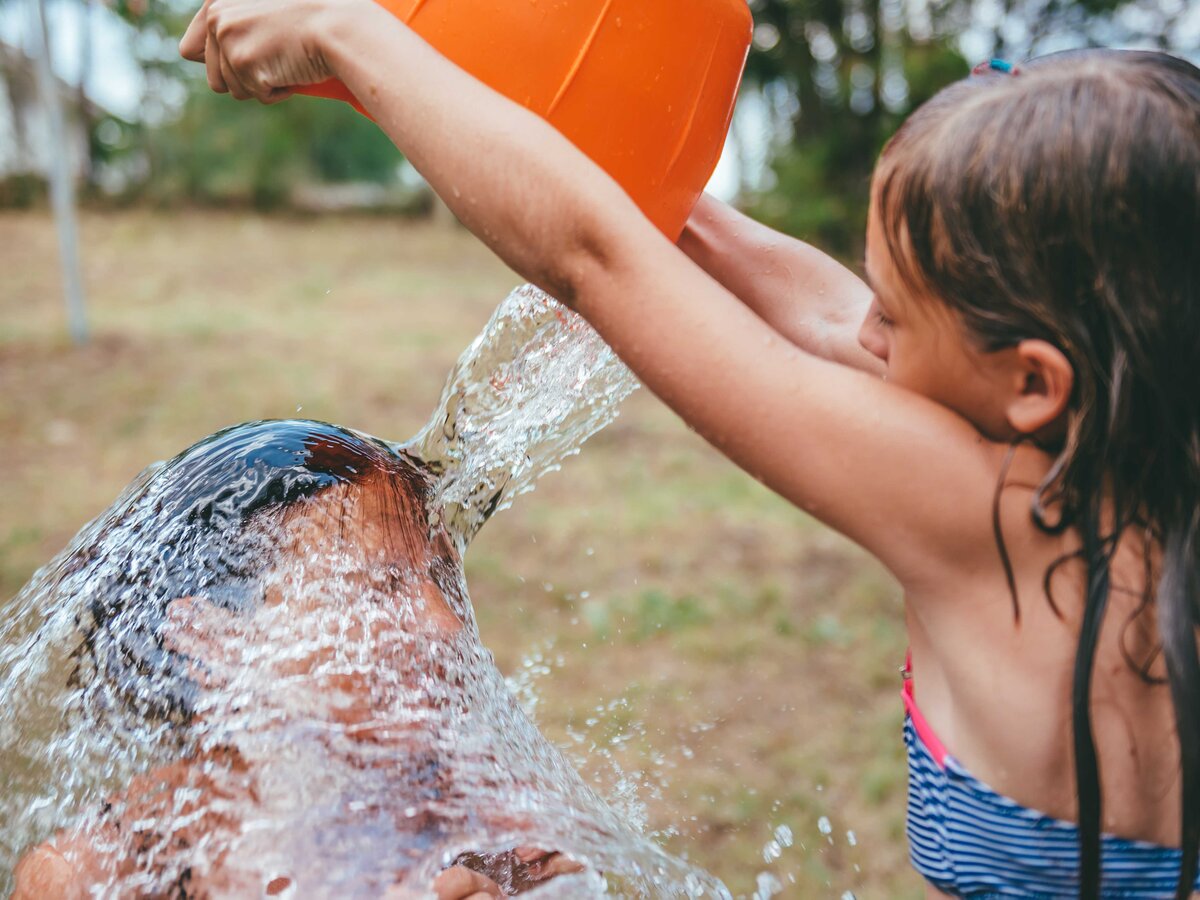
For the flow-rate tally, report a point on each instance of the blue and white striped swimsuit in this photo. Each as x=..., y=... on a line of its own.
x=968, y=841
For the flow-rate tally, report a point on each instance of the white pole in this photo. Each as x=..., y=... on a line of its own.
x=62, y=187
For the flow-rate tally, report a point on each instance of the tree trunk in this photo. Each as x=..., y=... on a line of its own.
x=86, y=119
x=62, y=189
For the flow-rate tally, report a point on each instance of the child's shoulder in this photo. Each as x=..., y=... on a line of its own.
x=995, y=648
x=989, y=518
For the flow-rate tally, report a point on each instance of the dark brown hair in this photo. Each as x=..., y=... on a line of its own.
x=210, y=523
x=1063, y=203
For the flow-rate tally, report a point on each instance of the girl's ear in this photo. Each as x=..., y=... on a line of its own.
x=1043, y=381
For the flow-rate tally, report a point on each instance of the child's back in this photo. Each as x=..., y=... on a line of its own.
x=997, y=689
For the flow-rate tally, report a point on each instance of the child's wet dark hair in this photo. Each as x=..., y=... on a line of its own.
x=1062, y=203
x=188, y=533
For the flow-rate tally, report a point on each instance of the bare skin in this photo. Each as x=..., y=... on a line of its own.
x=905, y=464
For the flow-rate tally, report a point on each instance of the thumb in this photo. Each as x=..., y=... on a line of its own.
x=276, y=95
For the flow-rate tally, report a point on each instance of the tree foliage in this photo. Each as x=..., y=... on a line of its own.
x=851, y=70
x=203, y=147
x=221, y=151
x=839, y=76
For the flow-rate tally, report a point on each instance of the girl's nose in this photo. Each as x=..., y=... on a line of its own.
x=872, y=335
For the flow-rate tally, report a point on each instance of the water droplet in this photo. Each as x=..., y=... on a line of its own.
x=768, y=885
x=823, y=825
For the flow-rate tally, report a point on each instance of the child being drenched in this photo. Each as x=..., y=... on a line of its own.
x=282, y=631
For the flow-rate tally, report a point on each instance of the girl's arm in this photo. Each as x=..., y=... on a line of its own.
x=806, y=295
x=892, y=470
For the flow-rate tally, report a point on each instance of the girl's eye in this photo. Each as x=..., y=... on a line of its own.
x=882, y=318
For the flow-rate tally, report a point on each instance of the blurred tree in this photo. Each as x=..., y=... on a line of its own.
x=842, y=74
x=219, y=151
x=836, y=75
x=1024, y=28
x=203, y=147
x=89, y=115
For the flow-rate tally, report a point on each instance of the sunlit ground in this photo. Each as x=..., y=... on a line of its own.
x=738, y=659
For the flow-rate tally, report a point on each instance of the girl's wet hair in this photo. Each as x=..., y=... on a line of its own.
x=1063, y=203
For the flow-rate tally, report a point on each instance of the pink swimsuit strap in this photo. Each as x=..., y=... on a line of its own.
x=936, y=748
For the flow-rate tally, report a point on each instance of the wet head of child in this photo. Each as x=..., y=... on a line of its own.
x=1007, y=416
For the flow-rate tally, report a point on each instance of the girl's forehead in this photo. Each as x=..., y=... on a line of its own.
x=886, y=277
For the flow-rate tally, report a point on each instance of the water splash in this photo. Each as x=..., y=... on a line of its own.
x=525, y=395
x=259, y=671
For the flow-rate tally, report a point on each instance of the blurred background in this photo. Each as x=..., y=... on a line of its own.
x=172, y=262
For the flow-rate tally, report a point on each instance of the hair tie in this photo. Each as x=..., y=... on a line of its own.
x=996, y=65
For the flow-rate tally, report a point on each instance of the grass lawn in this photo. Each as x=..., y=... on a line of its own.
x=671, y=619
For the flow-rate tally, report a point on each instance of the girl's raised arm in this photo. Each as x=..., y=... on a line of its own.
x=888, y=468
x=804, y=294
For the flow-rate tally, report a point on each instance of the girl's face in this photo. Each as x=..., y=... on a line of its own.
x=925, y=347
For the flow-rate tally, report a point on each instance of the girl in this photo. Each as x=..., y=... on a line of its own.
x=1015, y=433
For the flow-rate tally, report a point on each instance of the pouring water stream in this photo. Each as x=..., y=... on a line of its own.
x=228, y=683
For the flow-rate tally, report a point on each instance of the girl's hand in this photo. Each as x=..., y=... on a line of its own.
x=260, y=48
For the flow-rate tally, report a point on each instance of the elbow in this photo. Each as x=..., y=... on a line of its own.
x=588, y=258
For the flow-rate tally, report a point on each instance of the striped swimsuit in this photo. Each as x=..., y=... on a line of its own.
x=968, y=841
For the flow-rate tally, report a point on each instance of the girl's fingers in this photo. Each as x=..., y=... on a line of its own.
x=275, y=95
x=255, y=48
x=212, y=64
x=236, y=89
x=191, y=46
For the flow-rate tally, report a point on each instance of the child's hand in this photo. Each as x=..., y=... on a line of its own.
x=521, y=870
x=461, y=883
x=260, y=48
x=541, y=865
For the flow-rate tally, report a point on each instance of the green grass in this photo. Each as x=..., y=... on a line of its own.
x=697, y=628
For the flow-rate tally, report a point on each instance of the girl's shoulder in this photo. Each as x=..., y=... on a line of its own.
x=999, y=519
x=994, y=657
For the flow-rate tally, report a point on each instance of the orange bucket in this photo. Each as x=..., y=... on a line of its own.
x=643, y=87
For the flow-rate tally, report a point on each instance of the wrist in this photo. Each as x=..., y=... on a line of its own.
x=334, y=28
